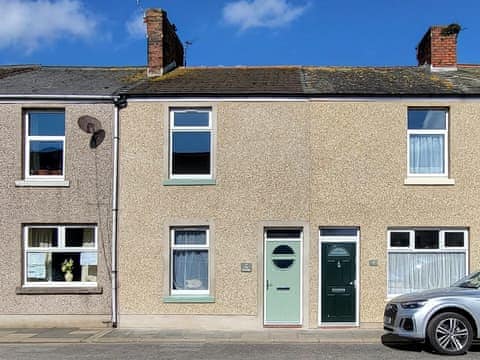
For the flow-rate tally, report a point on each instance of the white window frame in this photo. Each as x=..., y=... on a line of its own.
x=443, y=132
x=60, y=248
x=174, y=246
x=441, y=246
x=29, y=138
x=177, y=129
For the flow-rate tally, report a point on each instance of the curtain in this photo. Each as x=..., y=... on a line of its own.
x=39, y=264
x=190, y=270
x=190, y=237
x=409, y=272
x=88, y=238
x=427, y=154
x=41, y=238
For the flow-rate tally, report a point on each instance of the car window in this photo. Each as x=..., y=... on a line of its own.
x=471, y=281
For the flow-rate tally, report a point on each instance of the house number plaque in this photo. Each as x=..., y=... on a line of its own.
x=246, y=267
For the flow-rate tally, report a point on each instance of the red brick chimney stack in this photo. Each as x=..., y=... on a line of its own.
x=164, y=48
x=438, y=48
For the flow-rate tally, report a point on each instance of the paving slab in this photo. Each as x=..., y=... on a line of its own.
x=77, y=335
x=19, y=336
x=84, y=332
x=47, y=335
x=255, y=336
x=60, y=333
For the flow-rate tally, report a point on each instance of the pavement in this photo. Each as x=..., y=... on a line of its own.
x=263, y=336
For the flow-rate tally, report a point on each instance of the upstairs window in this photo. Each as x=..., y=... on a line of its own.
x=427, y=142
x=44, y=144
x=190, y=144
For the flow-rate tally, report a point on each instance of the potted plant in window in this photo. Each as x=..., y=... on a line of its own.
x=67, y=267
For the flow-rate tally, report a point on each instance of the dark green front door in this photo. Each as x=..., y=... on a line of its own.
x=338, y=282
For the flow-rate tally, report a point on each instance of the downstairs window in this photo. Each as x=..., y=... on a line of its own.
x=60, y=255
x=422, y=259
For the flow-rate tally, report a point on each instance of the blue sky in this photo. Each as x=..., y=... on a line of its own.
x=233, y=32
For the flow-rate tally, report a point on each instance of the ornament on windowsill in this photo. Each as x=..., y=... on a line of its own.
x=67, y=267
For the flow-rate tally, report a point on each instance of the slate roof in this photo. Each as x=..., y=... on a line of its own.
x=398, y=81
x=45, y=80
x=223, y=81
x=312, y=81
x=294, y=81
x=12, y=70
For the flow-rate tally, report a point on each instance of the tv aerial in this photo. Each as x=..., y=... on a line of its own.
x=93, y=126
x=186, y=45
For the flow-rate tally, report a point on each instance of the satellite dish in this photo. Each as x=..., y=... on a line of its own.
x=97, y=138
x=93, y=126
x=89, y=124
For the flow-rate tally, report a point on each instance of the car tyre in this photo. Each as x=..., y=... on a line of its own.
x=450, y=333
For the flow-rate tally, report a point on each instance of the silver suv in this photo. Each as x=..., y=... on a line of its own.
x=447, y=319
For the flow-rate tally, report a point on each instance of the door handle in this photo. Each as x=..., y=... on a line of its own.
x=352, y=283
x=268, y=284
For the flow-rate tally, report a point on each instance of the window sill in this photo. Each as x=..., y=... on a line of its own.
x=189, y=182
x=27, y=290
x=42, y=183
x=429, y=181
x=189, y=299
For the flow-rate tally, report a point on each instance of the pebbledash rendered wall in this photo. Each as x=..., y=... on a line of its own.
x=87, y=200
x=291, y=163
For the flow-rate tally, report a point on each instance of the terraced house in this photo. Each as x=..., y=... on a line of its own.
x=252, y=197
x=56, y=191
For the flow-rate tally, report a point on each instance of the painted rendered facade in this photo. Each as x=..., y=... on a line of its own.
x=82, y=199
x=281, y=164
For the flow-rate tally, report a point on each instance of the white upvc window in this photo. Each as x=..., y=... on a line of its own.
x=189, y=259
x=58, y=255
x=190, y=145
x=425, y=258
x=427, y=136
x=44, y=144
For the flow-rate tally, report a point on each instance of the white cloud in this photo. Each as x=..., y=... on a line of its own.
x=29, y=24
x=136, y=27
x=261, y=13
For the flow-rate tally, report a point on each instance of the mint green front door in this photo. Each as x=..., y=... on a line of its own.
x=282, y=282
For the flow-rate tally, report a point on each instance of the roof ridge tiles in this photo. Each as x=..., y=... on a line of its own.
x=87, y=68
x=19, y=66
x=247, y=67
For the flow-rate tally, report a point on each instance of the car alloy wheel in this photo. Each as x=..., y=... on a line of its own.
x=450, y=333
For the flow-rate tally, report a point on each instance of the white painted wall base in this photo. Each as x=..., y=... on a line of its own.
x=371, y=325
x=191, y=322
x=45, y=321
x=206, y=322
